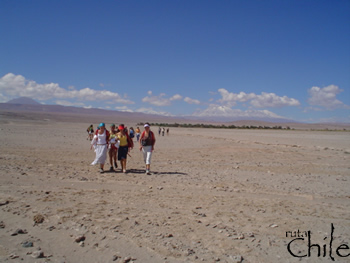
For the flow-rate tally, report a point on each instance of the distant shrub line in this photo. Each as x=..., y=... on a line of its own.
x=189, y=125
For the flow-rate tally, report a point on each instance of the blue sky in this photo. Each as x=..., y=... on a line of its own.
x=236, y=59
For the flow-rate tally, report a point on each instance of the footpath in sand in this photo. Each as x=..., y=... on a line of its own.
x=214, y=196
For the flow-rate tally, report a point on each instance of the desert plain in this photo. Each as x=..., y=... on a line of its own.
x=215, y=195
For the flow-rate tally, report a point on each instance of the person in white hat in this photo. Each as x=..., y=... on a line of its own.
x=147, y=141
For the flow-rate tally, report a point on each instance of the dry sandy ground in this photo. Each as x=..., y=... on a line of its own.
x=214, y=196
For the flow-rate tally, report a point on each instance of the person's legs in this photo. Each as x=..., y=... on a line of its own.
x=148, y=162
x=124, y=165
x=110, y=155
x=101, y=167
x=122, y=155
x=115, y=158
x=147, y=155
x=103, y=157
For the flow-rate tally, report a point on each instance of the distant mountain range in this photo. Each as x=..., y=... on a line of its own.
x=24, y=100
x=26, y=106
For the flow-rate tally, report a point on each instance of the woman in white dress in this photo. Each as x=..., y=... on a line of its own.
x=100, y=144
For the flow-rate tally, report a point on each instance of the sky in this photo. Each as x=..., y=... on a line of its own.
x=236, y=59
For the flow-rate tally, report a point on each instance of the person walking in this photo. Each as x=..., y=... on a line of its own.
x=138, y=133
x=147, y=142
x=125, y=145
x=113, y=148
x=131, y=132
x=100, y=145
x=90, y=131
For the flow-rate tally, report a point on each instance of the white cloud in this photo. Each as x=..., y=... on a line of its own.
x=160, y=100
x=68, y=103
x=191, y=101
x=151, y=111
x=326, y=97
x=176, y=97
x=123, y=108
x=17, y=86
x=215, y=110
x=258, y=101
x=272, y=100
x=231, y=98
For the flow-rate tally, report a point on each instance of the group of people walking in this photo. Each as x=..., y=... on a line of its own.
x=162, y=130
x=118, y=143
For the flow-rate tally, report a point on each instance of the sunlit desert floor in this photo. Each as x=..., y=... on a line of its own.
x=214, y=196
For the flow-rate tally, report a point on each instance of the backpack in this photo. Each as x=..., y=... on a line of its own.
x=131, y=134
x=151, y=137
x=130, y=142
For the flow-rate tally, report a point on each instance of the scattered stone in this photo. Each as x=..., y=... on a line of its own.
x=127, y=259
x=80, y=239
x=199, y=214
x=169, y=235
x=2, y=224
x=115, y=257
x=250, y=234
x=38, y=219
x=51, y=228
x=273, y=226
x=236, y=259
x=27, y=244
x=82, y=244
x=4, y=203
x=13, y=256
x=160, y=187
x=38, y=254
x=19, y=231
x=240, y=236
